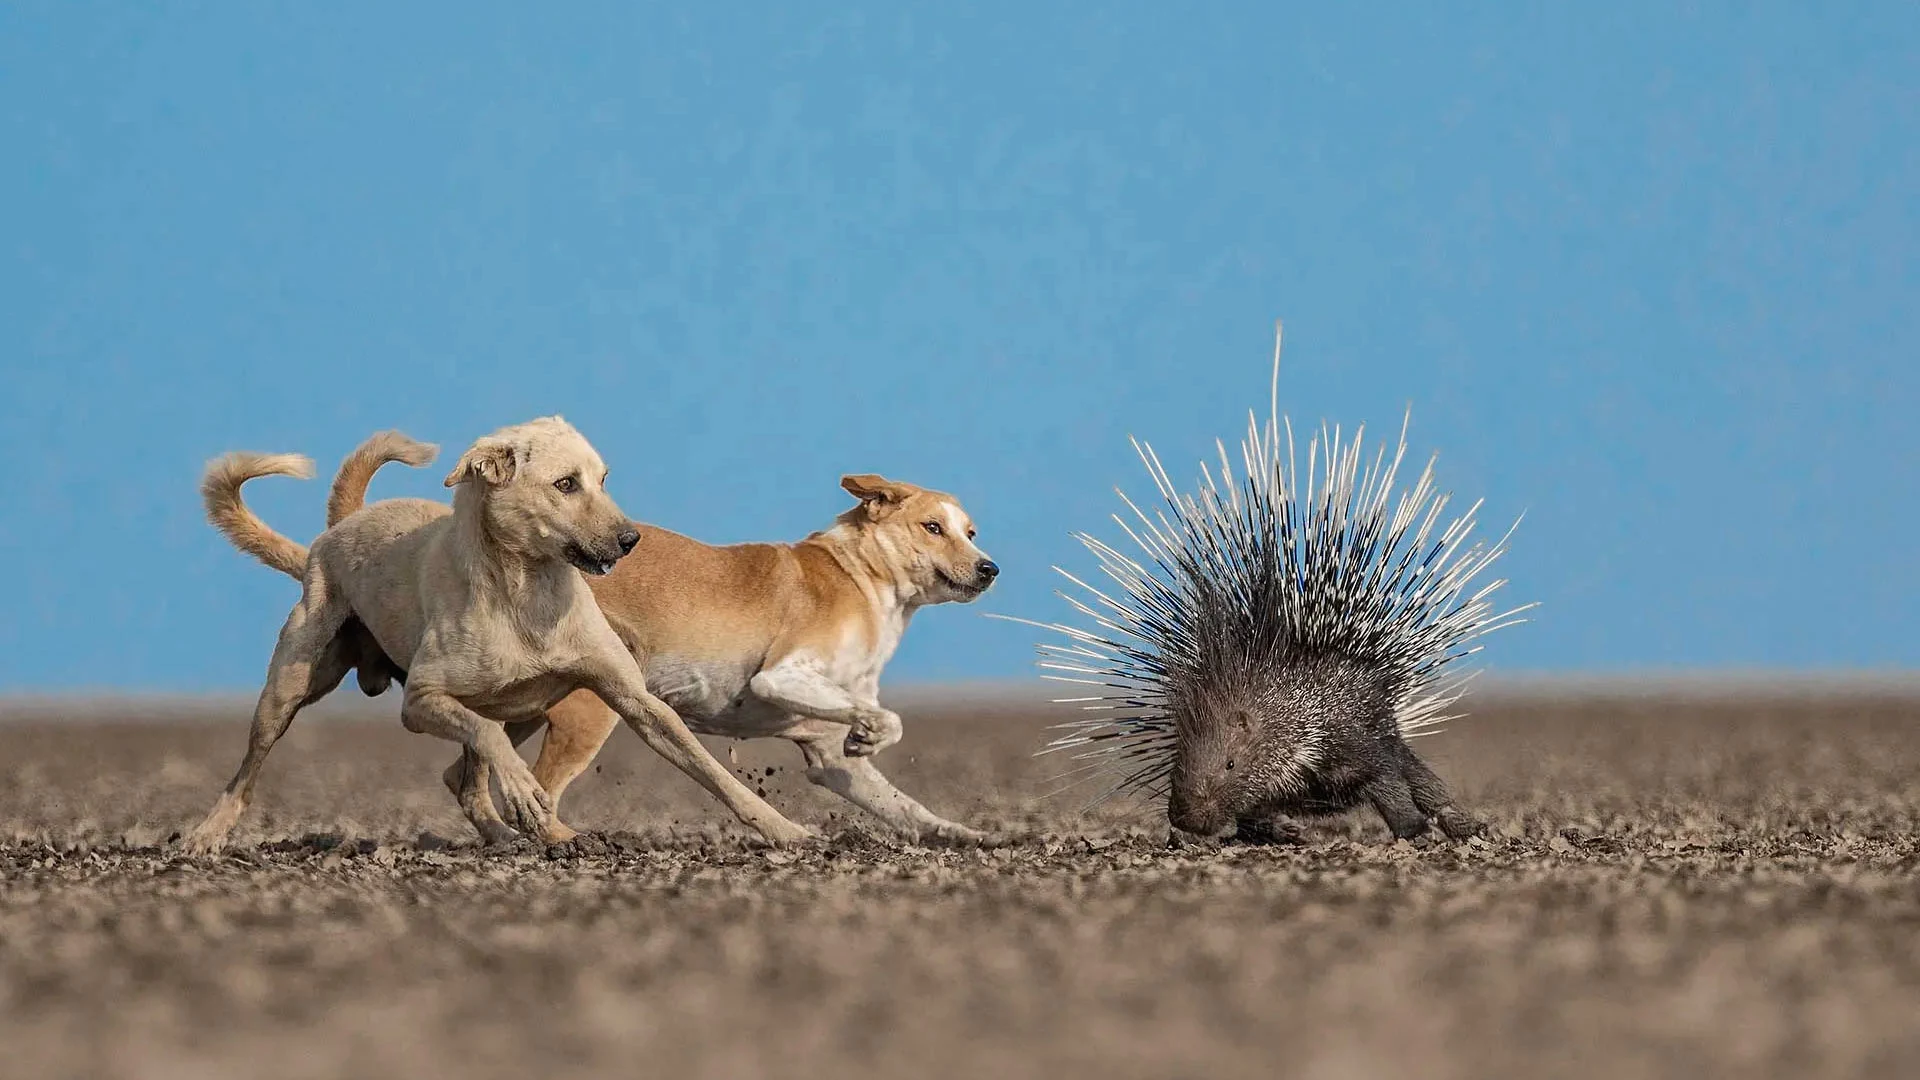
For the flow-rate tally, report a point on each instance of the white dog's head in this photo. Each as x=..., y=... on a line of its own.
x=542, y=494
x=921, y=535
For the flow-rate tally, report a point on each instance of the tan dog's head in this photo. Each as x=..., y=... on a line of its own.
x=541, y=493
x=922, y=535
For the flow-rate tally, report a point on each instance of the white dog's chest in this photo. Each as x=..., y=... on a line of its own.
x=507, y=687
x=524, y=699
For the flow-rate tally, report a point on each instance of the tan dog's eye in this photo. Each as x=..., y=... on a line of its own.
x=566, y=485
x=933, y=527
x=970, y=534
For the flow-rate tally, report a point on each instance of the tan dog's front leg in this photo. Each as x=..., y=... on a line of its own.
x=798, y=687
x=856, y=780
x=624, y=690
x=431, y=711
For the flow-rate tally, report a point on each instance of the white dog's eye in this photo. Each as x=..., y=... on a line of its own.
x=933, y=527
x=970, y=534
x=566, y=484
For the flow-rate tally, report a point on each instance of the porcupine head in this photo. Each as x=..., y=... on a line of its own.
x=1265, y=731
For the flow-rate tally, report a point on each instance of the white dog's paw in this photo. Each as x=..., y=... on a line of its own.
x=210, y=836
x=199, y=843
x=872, y=732
x=495, y=832
x=781, y=831
x=528, y=809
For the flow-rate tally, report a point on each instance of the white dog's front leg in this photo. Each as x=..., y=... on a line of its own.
x=798, y=686
x=856, y=780
x=623, y=688
x=432, y=711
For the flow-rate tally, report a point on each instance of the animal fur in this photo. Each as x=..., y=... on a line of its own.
x=483, y=605
x=773, y=640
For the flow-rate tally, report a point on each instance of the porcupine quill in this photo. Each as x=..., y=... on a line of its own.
x=1283, y=637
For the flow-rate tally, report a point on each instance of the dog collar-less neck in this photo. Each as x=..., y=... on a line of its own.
x=886, y=587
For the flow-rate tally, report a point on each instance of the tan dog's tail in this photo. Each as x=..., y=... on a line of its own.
x=350, y=483
x=220, y=489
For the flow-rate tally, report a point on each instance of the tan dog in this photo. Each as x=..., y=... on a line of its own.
x=482, y=605
x=758, y=640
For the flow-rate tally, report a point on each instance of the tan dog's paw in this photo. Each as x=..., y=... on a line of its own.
x=874, y=731
x=954, y=834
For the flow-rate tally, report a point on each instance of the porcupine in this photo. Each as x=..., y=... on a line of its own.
x=1278, y=646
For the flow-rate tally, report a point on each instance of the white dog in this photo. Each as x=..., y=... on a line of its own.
x=483, y=606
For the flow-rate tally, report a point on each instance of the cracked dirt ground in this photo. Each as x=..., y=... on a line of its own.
x=1673, y=888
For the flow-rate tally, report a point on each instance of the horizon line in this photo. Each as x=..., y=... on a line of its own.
x=1680, y=683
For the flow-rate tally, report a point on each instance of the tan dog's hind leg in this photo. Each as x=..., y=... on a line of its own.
x=856, y=780
x=435, y=712
x=576, y=730
x=309, y=660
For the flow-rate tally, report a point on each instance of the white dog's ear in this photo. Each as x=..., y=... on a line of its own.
x=872, y=489
x=489, y=460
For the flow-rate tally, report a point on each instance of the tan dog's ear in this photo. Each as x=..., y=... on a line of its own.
x=490, y=460
x=871, y=489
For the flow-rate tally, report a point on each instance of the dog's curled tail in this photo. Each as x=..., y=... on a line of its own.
x=350, y=483
x=220, y=489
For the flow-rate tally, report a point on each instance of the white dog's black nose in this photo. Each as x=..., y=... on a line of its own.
x=627, y=539
x=988, y=570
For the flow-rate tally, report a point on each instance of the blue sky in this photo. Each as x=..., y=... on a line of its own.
x=1646, y=272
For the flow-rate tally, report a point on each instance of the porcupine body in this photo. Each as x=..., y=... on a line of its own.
x=1280, y=639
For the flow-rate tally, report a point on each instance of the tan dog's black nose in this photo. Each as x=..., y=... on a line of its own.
x=627, y=539
x=988, y=570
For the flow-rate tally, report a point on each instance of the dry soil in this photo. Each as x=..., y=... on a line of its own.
x=1673, y=888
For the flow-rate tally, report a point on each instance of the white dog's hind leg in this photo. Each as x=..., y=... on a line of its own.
x=435, y=712
x=856, y=780
x=309, y=660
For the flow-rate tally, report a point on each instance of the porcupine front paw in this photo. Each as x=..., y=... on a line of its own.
x=1458, y=824
x=1266, y=830
x=1179, y=839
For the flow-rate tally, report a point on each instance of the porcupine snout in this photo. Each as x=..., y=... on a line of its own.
x=1256, y=737
x=1215, y=756
x=1197, y=807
